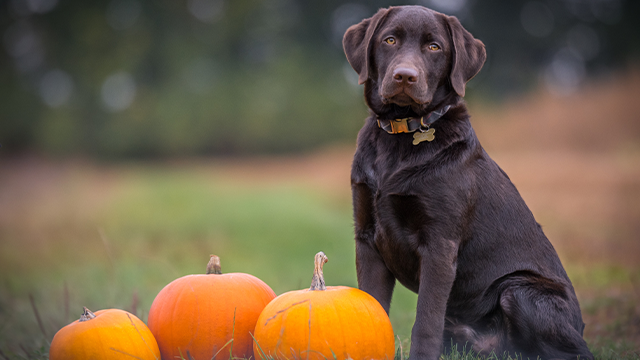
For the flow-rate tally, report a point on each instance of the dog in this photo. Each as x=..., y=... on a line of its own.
x=435, y=212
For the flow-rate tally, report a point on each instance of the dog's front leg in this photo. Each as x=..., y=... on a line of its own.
x=373, y=275
x=437, y=272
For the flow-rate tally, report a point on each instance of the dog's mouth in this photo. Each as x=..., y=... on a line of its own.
x=404, y=98
x=401, y=99
x=403, y=105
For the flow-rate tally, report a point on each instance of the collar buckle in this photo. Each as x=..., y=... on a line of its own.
x=400, y=126
x=412, y=125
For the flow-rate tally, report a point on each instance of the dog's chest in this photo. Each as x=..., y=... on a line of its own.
x=399, y=233
x=412, y=203
x=402, y=208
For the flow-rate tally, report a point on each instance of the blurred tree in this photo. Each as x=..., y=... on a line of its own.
x=139, y=78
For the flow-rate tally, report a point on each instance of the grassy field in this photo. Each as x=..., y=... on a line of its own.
x=79, y=233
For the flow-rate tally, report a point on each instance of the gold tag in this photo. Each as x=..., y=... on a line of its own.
x=419, y=137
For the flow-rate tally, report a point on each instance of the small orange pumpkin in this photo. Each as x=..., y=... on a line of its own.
x=335, y=322
x=105, y=334
x=206, y=316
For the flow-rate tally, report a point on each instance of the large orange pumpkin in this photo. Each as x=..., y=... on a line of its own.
x=105, y=334
x=335, y=322
x=197, y=316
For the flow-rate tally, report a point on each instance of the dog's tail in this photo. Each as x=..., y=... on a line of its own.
x=466, y=337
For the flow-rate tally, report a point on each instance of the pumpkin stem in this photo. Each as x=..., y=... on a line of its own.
x=213, y=267
x=317, y=282
x=87, y=315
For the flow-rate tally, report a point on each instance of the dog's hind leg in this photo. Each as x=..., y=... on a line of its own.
x=542, y=318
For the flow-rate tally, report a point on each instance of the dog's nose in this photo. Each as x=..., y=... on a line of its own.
x=405, y=75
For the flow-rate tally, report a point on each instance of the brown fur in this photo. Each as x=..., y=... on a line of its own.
x=441, y=217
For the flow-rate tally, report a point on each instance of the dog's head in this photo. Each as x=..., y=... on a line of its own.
x=412, y=59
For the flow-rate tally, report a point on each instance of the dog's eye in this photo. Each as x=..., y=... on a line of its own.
x=390, y=40
x=434, y=47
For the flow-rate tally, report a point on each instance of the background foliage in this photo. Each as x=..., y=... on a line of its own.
x=141, y=78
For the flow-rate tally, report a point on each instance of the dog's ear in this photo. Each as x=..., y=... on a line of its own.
x=357, y=43
x=468, y=55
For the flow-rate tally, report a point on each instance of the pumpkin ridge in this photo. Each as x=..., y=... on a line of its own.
x=90, y=328
x=284, y=310
x=342, y=327
x=125, y=353
x=371, y=318
x=310, y=301
x=118, y=326
x=174, y=330
x=195, y=308
x=153, y=322
x=122, y=343
x=174, y=305
x=141, y=336
x=101, y=339
x=282, y=329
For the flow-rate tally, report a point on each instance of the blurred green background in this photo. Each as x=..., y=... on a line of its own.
x=140, y=78
x=140, y=136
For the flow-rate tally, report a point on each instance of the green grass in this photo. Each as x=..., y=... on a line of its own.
x=161, y=225
x=154, y=224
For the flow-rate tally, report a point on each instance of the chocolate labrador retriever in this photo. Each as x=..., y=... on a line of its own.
x=432, y=209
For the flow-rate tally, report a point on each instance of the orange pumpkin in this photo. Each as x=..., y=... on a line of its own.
x=335, y=322
x=107, y=334
x=206, y=316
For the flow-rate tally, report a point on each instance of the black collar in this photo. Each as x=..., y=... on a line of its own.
x=412, y=124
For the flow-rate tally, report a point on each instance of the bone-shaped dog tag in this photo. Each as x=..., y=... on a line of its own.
x=419, y=137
